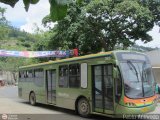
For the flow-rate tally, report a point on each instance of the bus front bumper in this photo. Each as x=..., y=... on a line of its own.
x=123, y=110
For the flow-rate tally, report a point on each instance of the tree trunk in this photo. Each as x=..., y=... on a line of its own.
x=14, y=76
x=104, y=45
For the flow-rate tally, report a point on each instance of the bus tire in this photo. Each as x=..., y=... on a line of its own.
x=32, y=98
x=83, y=107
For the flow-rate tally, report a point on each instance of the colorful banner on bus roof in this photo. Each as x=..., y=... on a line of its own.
x=37, y=54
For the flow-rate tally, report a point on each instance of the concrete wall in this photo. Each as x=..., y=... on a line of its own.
x=156, y=72
x=154, y=57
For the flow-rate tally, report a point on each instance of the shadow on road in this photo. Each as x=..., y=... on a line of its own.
x=68, y=112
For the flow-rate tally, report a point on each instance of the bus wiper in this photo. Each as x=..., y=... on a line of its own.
x=131, y=64
x=143, y=71
x=143, y=77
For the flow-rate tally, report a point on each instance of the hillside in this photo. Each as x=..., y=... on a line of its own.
x=13, y=39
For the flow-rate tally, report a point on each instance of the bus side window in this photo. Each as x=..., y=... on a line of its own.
x=27, y=73
x=33, y=73
x=30, y=73
x=63, y=76
x=24, y=74
x=38, y=77
x=20, y=74
x=36, y=73
x=74, y=75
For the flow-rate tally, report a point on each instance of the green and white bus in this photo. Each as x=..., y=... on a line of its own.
x=108, y=83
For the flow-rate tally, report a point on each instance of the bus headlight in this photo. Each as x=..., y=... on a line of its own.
x=130, y=104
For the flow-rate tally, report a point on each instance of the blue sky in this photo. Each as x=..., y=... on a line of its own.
x=17, y=23
x=27, y=20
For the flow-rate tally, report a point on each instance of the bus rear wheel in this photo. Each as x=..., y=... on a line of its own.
x=83, y=107
x=32, y=99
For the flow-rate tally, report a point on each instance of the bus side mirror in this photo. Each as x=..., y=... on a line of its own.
x=158, y=89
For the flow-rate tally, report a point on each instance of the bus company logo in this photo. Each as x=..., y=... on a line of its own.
x=4, y=116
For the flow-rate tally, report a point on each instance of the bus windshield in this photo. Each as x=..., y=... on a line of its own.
x=138, y=77
x=138, y=80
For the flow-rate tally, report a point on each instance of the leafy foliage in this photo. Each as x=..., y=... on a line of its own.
x=117, y=24
x=2, y=18
x=57, y=11
x=154, y=7
x=28, y=2
x=104, y=24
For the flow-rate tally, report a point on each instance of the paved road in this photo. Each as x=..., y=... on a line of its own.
x=18, y=109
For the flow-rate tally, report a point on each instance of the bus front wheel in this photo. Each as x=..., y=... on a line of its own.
x=32, y=99
x=83, y=107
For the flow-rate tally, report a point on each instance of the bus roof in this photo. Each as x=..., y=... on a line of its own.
x=101, y=54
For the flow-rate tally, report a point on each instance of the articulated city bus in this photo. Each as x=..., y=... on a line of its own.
x=108, y=83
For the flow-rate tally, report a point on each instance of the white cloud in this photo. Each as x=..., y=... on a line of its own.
x=28, y=19
x=155, y=33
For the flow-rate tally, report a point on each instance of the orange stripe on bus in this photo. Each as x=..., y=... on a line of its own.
x=140, y=101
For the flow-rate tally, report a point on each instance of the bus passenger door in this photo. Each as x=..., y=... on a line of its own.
x=103, y=89
x=51, y=86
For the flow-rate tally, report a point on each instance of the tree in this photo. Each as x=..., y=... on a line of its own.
x=105, y=24
x=12, y=64
x=70, y=31
x=154, y=7
x=116, y=24
x=3, y=24
x=3, y=20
